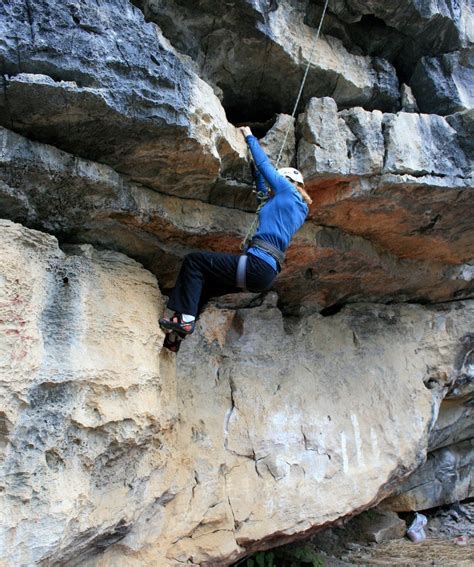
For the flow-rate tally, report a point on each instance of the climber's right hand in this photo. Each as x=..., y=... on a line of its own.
x=245, y=131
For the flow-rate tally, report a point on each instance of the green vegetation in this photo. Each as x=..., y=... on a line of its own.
x=301, y=556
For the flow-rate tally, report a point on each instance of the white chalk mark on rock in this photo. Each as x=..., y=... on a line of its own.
x=358, y=441
x=345, y=462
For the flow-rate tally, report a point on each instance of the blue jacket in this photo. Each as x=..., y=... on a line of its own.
x=283, y=214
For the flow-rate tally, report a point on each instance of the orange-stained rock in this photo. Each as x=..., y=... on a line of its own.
x=380, y=239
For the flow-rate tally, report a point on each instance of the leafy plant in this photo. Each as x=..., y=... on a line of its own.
x=306, y=555
x=284, y=557
x=261, y=559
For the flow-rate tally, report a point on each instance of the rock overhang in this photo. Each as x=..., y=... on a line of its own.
x=93, y=419
x=123, y=97
x=346, y=250
x=384, y=201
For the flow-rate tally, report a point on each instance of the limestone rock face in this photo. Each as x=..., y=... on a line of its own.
x=333, y=258
x=118, y=93
x=268, y=45
x=281, y=138
x=396, y=157
x=445, y=84
x=372, y=174
x=350, y=382
x=106, y=447
x=85, y=415
x=390, y=221
x=404, y=31
x=366, y=143
x=84, y=201
x=446, y=477
x=408, y=100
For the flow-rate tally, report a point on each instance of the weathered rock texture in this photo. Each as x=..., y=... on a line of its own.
x=444, y=84
x=267, y=46
x=94, y=79
x=446, y=477
x=448, y=474
x=370, y=235
x=403, y=31
x=248, y=445
x=86, y=414
x=118, y=138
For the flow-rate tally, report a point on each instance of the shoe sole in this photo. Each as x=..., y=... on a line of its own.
x=170, y=328
x=171, y=345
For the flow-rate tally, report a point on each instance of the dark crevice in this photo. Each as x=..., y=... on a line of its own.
x=259, y=127
x=261, y=114
x=459, y=295
x=332, y=309
x=371, y=35
x=428, y=227
x=29, y=14
x=4, y=80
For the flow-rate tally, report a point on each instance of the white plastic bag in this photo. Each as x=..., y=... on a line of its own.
x=416, y=532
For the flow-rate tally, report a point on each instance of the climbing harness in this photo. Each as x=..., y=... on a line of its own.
x=241, y=280
x=263, y=199
x=277, y=254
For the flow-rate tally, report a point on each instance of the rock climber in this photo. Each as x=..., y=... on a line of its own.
x=210, y=274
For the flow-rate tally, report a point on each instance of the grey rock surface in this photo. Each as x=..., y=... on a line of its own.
x=281, y=138
x=377, y=525
x=267, y=46
x=348, y=143
x=445, y=84
x=408, y=100
x=366, y=143
x=446, y=477
x=463, y=123
x=116, y=93
x=403, y=31
x=455, y=422
x=414, y=143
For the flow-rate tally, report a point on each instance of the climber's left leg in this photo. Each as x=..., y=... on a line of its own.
x=203, y=275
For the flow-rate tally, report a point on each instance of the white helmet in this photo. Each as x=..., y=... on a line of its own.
x=292, y=174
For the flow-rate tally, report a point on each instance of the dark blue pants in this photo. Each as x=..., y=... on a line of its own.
x=209, y=274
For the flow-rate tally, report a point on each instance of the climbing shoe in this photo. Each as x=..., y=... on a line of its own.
x=173, y=341
x=176, y=323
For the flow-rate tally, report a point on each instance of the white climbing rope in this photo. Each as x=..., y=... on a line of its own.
x=252, y=228
x=313, y=46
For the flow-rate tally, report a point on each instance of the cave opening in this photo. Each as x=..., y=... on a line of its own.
x=259, y=129
x=259, y=114
x=373, y=36
x=332, y=309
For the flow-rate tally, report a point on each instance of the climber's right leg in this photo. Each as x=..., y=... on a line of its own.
x=202, y=275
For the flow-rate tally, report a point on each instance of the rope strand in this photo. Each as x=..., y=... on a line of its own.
x=253, y=226
x=313, y=46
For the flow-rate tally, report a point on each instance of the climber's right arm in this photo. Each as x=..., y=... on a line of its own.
x=276, y=181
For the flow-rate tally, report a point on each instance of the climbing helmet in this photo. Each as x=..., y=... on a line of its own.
x=292, y=174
